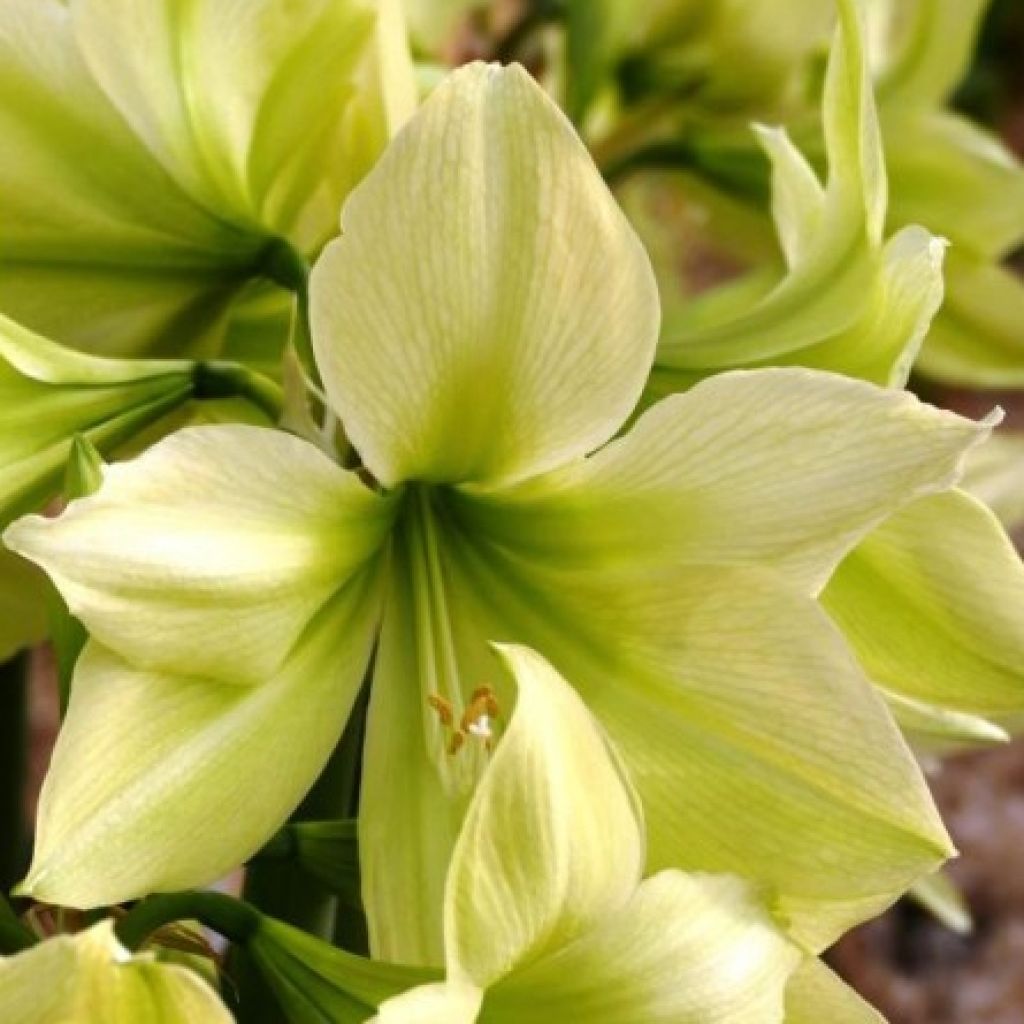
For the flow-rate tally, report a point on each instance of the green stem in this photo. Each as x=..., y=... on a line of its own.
x=285, y=266
x=13, y=768
x=218, y=379
x=232, y=918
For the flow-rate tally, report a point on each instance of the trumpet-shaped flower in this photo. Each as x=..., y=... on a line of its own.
x=484, y=325
x=161, y=156
x=90, y=977
x=545, y=914
x=851, y=300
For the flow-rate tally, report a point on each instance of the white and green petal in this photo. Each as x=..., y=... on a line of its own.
x=487, y=313
x=815, y=995
x=213, y=90
x=562, y=927
x=231, y=577
x=90, y=977
x=787, y=468
x=231, y=537
x=100, y=247
x=933, y=604
x=163, y=781
x=850, y=301
x=155, y=161
x=995, y=476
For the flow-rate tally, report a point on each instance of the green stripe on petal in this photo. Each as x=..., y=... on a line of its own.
x=488, y=312
x=162, y=782
x=210, y=553
x=933, y=604
x=723, y=689
x=787, y=468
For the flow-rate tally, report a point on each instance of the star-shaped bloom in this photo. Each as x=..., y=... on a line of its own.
x=484, y=326
x=91, y=977
x=159, y=159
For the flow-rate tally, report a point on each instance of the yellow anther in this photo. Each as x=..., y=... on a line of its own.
x=443, y=709
x=456, y=742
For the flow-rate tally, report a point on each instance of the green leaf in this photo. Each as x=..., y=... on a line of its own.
x=933, y=604
x=231, y=536
x=162, y=782
x=89, y=977
x=23, y=596
x=532, y=353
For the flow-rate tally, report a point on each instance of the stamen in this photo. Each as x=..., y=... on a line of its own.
x=476, y=721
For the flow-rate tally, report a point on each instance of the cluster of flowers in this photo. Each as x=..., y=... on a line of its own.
x=634, y=609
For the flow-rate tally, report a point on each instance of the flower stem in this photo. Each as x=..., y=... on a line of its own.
x=13, y=768
x=232, y=918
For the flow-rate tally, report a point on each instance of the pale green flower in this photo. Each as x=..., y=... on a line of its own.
x=485, y=323
x=161, y=156
x=962, y=182
x=852, y=300
x=89, y=978
x=937, y=625
x=546, y=915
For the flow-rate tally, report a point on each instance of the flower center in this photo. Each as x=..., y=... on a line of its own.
x=477, y=721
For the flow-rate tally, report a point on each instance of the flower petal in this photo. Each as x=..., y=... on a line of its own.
x=995, y=476
x=685, y=950
x=934, y=53
x=162, y=782
x=848, y=303
x=724, y=688
x=460, y=334
x=976, y=340
x=214, y=91
x=439, y=1003
x=552, y=843
x=100, y=248
x=210, y=553
x=933, y=604
x=816, y=995
x=787, y=468
x=48, y=394
x=87, y=977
